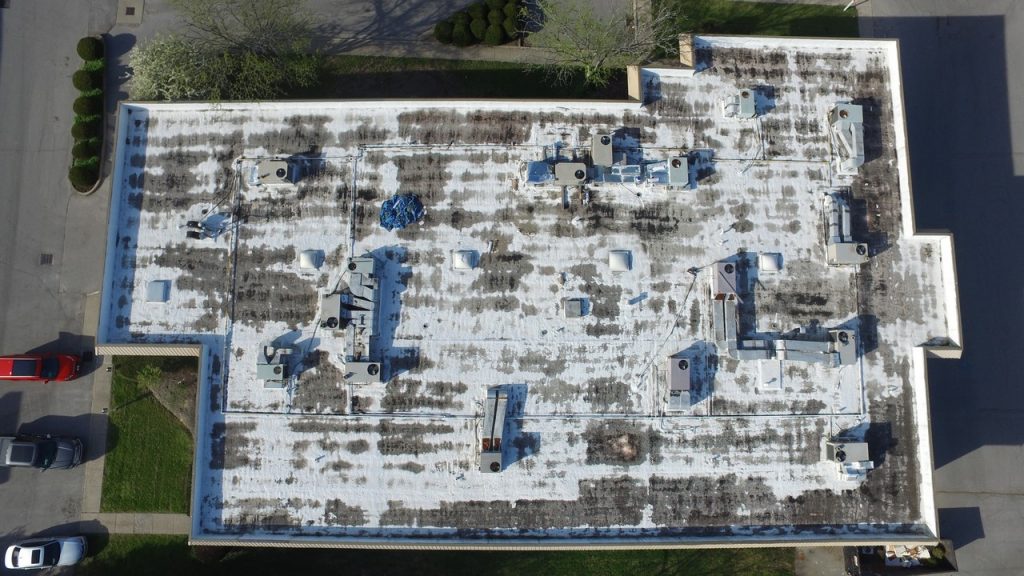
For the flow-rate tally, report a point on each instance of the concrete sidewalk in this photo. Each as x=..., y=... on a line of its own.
x=129, y=523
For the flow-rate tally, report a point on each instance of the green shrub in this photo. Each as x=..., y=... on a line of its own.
x=461, y=36
x=511, y=9
x=495, y=4
x=443, y=32
x=85, y=80
x=511, y=27
x=495, y=17
x=90, y=48
x=478, y=27
x=88, y=105
x=494, y=36
x=460, y=18
x=84, y=149
x=83, y=130
x=477, y=11
x=83, y=177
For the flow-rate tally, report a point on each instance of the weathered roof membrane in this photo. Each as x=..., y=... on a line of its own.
x=345, y=404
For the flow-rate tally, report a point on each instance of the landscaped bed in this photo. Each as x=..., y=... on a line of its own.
x=171, y=555
x=149, y=459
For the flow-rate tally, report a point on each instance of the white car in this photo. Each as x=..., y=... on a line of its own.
x=45, y=552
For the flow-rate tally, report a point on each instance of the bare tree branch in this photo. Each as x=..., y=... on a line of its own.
x=578, y=39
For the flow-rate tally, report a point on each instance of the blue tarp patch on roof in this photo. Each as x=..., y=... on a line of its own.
x=400, y=211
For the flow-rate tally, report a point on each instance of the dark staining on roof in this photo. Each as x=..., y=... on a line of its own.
x=320, y=388
x=602, y=502
x=231, y=447
x=622, y=442
x=404, y=394
x=338, y=513
x=412, y=438
x=427, y=126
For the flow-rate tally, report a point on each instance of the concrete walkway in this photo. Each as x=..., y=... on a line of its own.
x=128, y=523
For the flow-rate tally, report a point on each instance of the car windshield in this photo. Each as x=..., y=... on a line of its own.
x=51, y=366
x=15, y=554
x=24, y=368
x=47, y=452
x=51, y=553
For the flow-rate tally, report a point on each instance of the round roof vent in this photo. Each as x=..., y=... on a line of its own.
x=606, y=140
x=684, y=364
x=861, y=249
x=495, y=467
x=844, y=337
x=843, y=114
x=373, y=369
x=729, y=268
x=677, y=162
x=281, y=173
x=840, y=456
x=579, y=174
x=745, y=93
x=278, y=369
x=351, y=265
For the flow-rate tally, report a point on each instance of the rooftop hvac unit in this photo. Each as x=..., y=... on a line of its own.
x=679, y=374
x=845, y=344
x=276, y=171
x=723, y=280
x=493, y=430
x=742, y=105
x=847, y=121
x=601, y=150
x=850, y=458
x=678, y=171
x=330, y=311
x=570, y=173
x=272, y=366
x=362, y=372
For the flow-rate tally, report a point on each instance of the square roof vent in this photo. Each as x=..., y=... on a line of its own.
x=620, y=260
x=158, y=291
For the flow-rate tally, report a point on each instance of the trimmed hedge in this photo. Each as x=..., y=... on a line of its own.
x=84, y=149
x=90, y=48
x=494, y=36
x=477, y=11
x=491, y=21
x=88, y=106
x=83, y=177
x=87, y=129
x=511, y=27
x=478, y=27
x=85, y=80
x=461, y=36
x=443, y=32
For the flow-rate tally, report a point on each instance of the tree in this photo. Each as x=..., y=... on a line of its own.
x=264, y=27
x=90, y=48
x=230, y=50
x=577, y=38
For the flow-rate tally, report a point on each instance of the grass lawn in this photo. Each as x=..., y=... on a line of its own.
x=385, y=77
x=149, y=452
x=764, y=19
x=170, y=555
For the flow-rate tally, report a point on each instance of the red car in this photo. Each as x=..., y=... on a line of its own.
x=43, y=367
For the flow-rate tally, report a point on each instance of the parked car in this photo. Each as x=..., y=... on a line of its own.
x=43, y=367
x=45, y=552
x=40, y=451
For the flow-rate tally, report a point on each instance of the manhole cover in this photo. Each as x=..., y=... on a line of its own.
x=45, y=259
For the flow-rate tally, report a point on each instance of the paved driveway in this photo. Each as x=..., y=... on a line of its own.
x=963, y=69
x=51, y=248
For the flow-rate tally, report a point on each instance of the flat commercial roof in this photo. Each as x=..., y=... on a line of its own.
x=596, y=450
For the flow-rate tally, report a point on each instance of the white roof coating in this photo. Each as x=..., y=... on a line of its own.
x=592, y=452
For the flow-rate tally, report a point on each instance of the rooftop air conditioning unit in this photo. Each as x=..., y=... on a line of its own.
x=678, y=171
x=601, y=150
